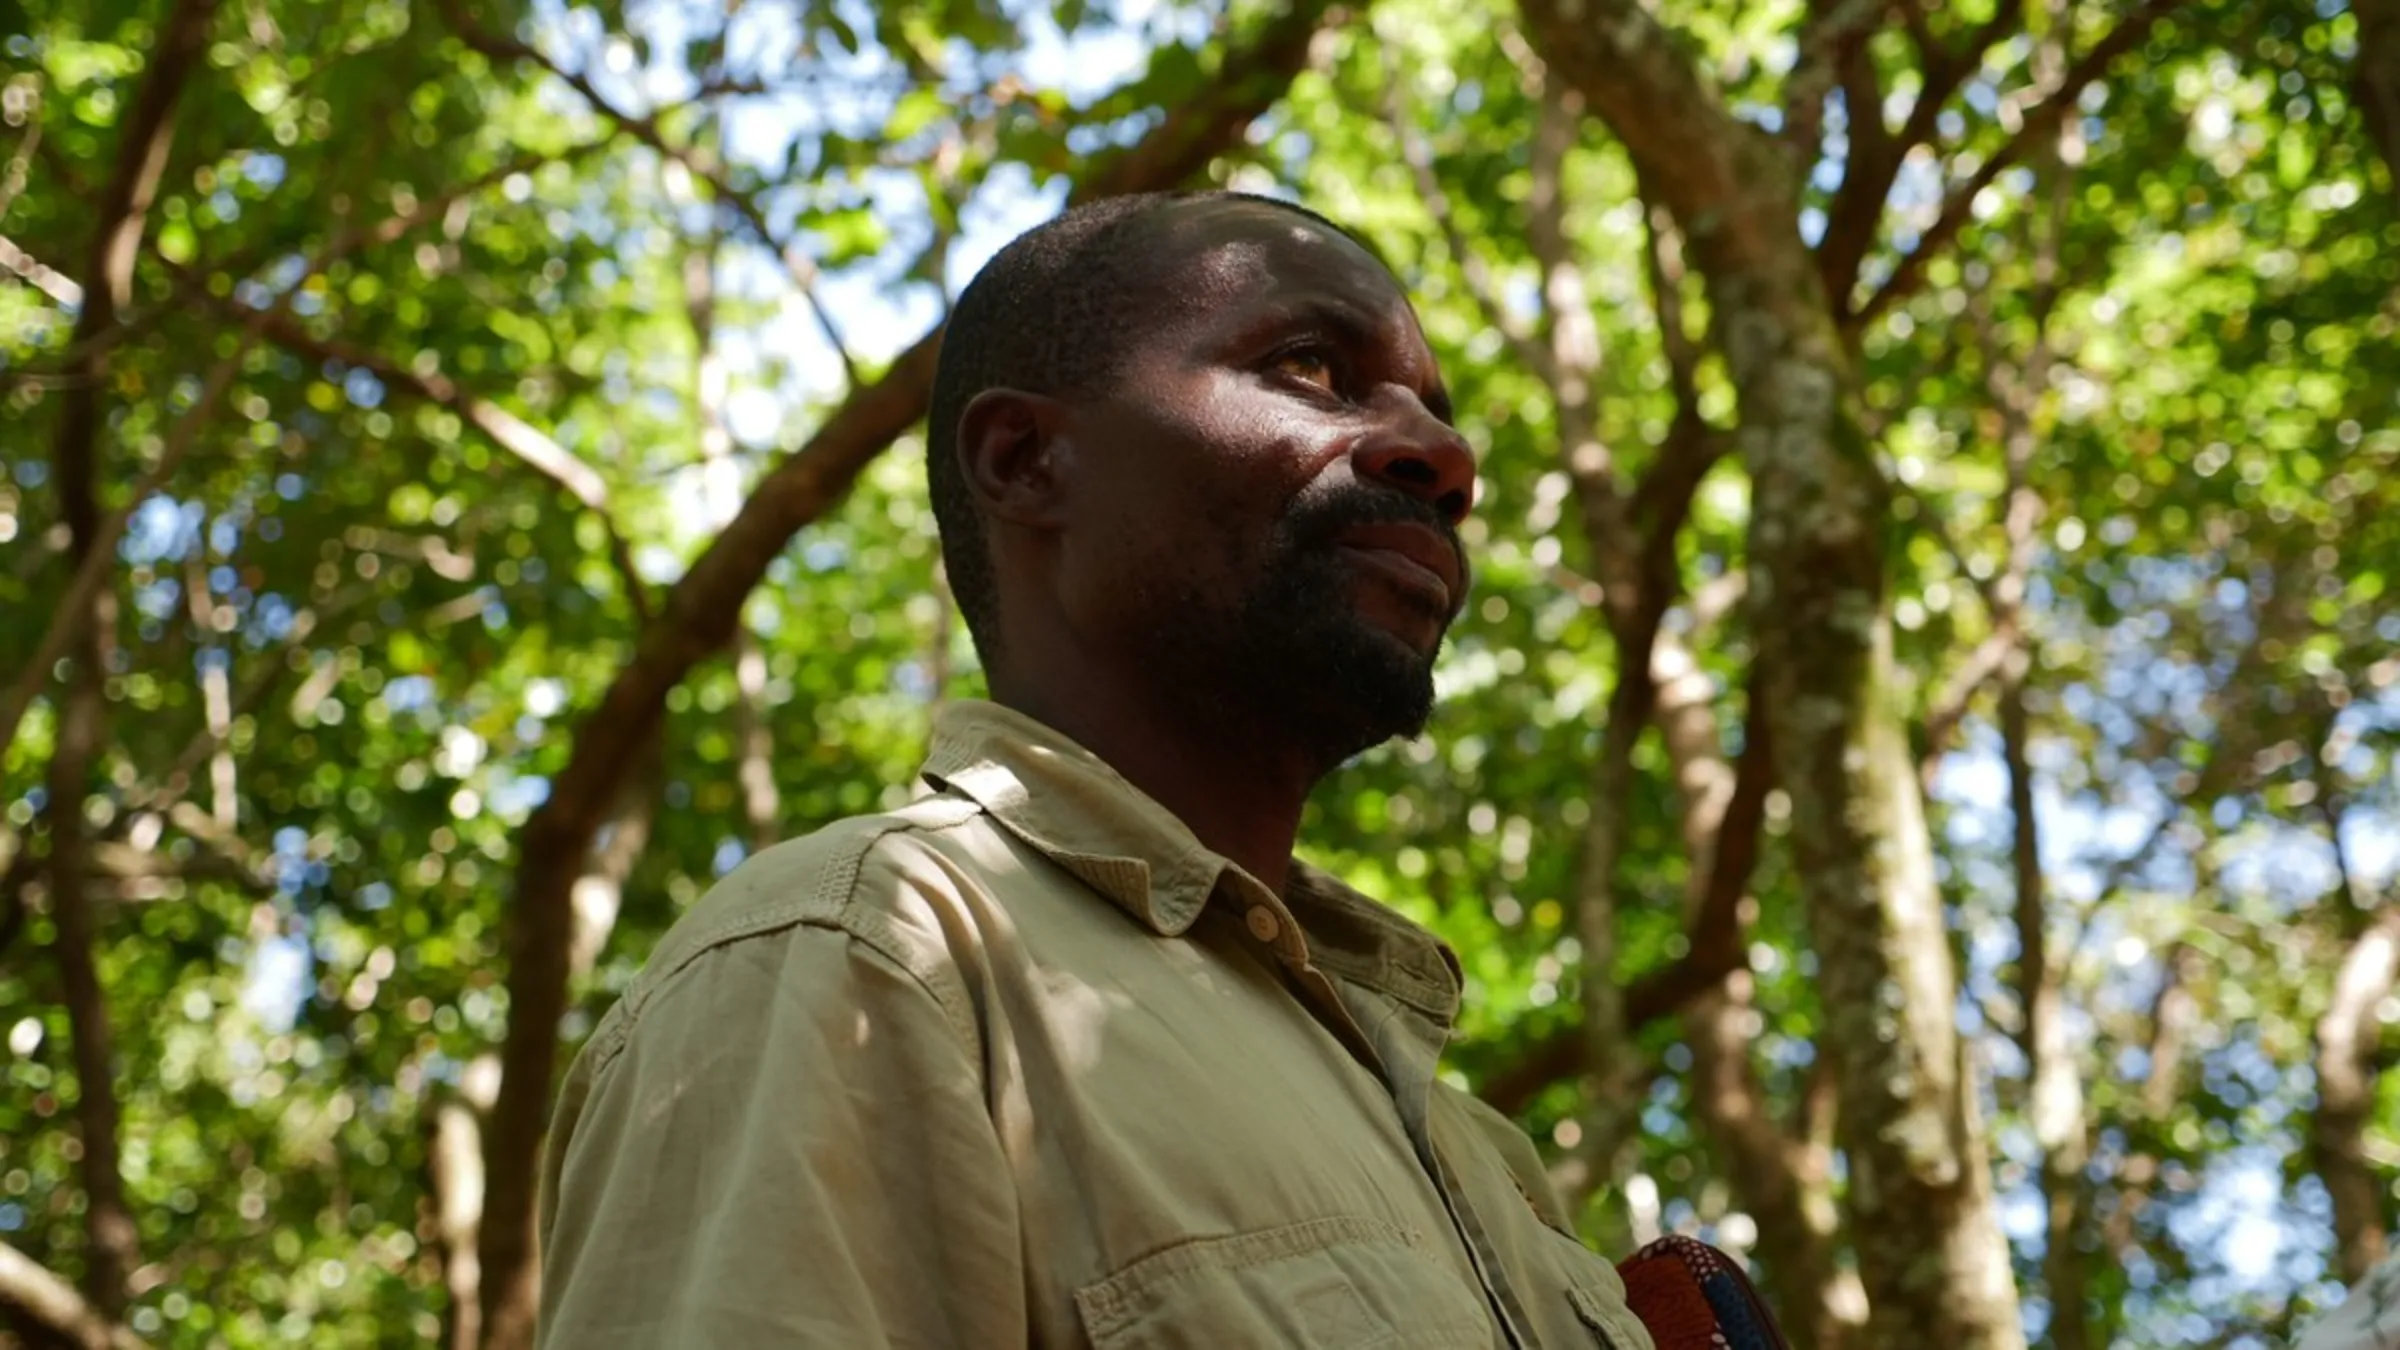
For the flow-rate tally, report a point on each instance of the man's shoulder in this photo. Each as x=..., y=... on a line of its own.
x=875, y=879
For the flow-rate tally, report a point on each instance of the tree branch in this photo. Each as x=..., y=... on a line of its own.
x=12, y=179
x=19, y=865
x=1931, y=1254
x=2375, y=81
x=2347, y=1037
x=1712, y=944
x=1946, y=70
x=82, y=628
x=1662, y=496
x=1780, y=1171
x=30, y=1290
x=351, y=238
x=1872, y=168
x=93, y=570
x=1728, y=182
x=92, y=567
x=762, y=804
x=1956, y=696
x=2039, y=123
x=1463, y=255
x=505, y=429
x=1832, y=39
x=706, y=167
x=222, y=857
x=124, y=208
x=171, y=787
x=44, y=278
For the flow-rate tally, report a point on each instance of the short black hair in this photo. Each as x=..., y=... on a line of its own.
x=1055, y=312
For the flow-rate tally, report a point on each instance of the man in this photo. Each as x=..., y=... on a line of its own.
x=2367, y=1318
x=1072, y=1052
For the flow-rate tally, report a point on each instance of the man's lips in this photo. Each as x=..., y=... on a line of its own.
x=1416, y=555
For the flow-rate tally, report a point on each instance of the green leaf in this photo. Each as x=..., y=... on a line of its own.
x=917, y=109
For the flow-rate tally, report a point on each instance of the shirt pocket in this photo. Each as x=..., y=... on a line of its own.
x=1340, y=1283
x=1611, y=1327
x=1596, y=1295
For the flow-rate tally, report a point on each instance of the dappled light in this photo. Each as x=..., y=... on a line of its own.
x=1912, y=792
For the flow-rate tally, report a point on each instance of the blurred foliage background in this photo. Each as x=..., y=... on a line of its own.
x=1914, y=796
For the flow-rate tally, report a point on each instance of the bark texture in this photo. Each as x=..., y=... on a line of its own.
x=1783, y=1178
x=698, y=620
x=1931, y=1254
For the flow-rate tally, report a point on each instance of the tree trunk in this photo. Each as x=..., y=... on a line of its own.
x=454, y=1188
x=1784, y=1182
x=721, y=497
x=112, y=1247
x=2347, y=1038
x=2376, y=80
x=1567, y=357
x=698, y=620
x=1931, y=1255
x=107, y=280
x=2055, y=1100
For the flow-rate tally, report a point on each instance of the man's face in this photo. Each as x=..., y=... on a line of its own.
x=1269, y=495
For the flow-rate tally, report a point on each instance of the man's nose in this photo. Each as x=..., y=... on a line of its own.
x=1421, y=455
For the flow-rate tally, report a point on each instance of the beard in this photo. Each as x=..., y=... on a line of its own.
x=1292, y=659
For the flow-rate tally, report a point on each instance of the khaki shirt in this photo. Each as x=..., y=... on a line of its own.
x=1023, y=1064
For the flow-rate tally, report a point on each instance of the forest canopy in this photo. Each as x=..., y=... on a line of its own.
x=1913, y=795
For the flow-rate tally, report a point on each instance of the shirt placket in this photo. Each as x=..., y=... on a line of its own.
x=1409, y=1055
x=1405, y=1064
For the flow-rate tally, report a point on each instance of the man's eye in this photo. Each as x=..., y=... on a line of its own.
x=1309, y=366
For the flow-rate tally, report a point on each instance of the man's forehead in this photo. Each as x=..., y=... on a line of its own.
x=1216, y=253
x=1234, y=265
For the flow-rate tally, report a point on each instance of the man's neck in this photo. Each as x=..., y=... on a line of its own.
x=1233, y=792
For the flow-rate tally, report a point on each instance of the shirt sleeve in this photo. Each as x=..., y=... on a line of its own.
x=787, y=1148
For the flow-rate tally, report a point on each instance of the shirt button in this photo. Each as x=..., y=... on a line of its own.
x=1263, y=923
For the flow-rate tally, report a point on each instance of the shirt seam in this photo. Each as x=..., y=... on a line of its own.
x=1384, y=977
x=832, y=904
x=1188, y=875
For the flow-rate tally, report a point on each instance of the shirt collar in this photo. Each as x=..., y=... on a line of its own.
x=1066, y=802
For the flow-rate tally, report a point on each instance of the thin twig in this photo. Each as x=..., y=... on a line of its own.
x=1832, y=35
x=246, y=263
x=20, y=163
x=537, y=450
x=73, y=606
x=50, y=1303
x=43, y=277
x=2037, y=123
x=1465, y=256
x=644, y=128
x=172, y=787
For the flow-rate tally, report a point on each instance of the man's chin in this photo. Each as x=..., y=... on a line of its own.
x=1378, y=686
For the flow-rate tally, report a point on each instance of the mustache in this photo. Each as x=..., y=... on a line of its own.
x=1319, y=520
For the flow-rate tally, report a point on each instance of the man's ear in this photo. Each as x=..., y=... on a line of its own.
x=1014, y=459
